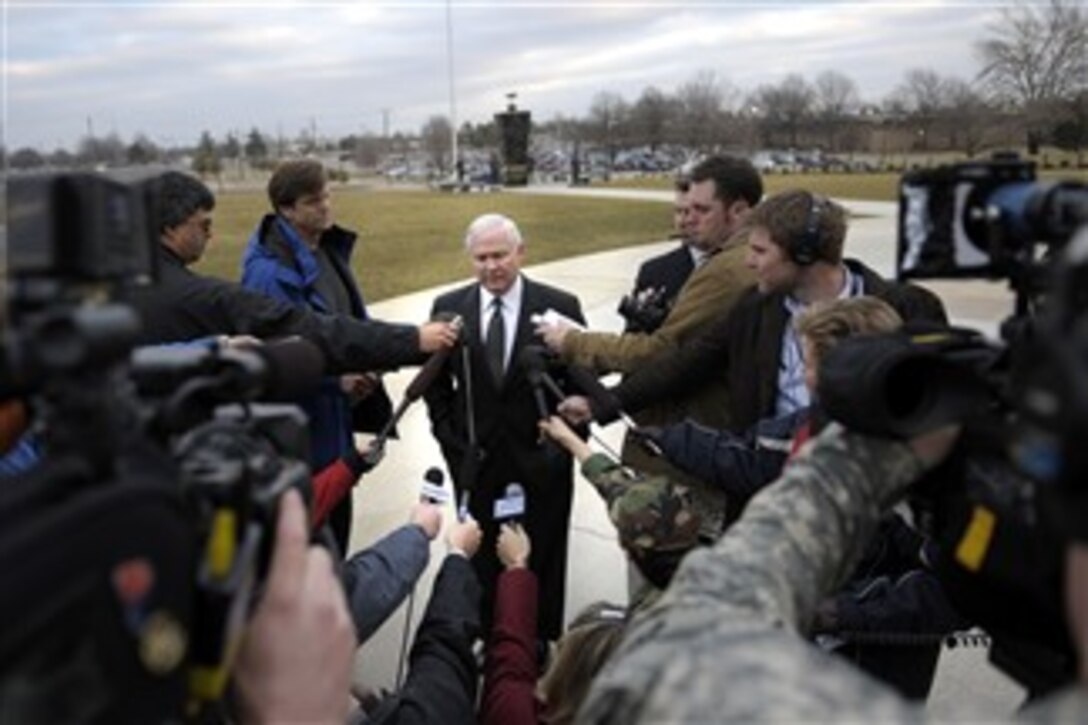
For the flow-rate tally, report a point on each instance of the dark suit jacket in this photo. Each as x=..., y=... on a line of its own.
x=506, y=415
x=506, y=428
x=669, y=270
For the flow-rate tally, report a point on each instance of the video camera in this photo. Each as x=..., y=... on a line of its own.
x=133, y=550
x=1003, y=506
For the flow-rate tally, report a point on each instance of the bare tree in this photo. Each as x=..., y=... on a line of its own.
x=607, y=122
x=785, y=107
x=921, y=97
x=1035, y=56
x=1071, y=133
x=702, y=120
x=966, y=115
x=650, y=118
x=836, y=98
x=435, y=139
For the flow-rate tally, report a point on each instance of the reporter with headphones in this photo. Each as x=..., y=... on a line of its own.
x=795, y=249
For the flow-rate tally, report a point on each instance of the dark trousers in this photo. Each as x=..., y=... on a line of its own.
x=547, y=521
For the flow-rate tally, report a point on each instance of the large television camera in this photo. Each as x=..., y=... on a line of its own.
x=1003, y=506
x=133, y=550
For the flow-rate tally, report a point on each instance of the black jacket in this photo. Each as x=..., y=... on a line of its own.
x=184, y=305
x=442, y=675
x=744, y=349
x=666, y=271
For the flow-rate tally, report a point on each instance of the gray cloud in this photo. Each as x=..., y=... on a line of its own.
x=174, y=69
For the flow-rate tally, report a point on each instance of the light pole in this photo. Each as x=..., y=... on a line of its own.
x=453, y=94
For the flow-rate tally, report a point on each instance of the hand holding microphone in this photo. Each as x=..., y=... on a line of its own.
x=427, y=514
x=424, y=379
x=439, y=335
x=513, y=546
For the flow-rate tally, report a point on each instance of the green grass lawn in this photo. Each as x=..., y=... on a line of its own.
x=413, y=240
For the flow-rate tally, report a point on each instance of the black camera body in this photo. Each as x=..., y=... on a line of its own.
x=645, y=310
x=1001, y=509
x=133, y=550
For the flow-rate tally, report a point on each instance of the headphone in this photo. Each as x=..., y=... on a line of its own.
x=805, y=249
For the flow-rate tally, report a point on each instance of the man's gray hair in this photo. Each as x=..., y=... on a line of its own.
x=486, y=222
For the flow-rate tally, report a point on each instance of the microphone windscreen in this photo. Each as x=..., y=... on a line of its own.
x=294, y=368
x=433, y=490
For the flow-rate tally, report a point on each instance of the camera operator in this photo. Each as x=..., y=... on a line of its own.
x=185, y=305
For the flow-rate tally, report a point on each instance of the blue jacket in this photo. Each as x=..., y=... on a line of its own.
x=279, y=264
x=739, y=464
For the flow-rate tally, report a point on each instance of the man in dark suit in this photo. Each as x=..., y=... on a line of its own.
x=660, y=278
x=484, y=413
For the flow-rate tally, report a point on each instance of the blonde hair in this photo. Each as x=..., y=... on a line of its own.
x=825, y=324
x=582, y=651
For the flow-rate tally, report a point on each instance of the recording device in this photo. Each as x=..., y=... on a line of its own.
x=645, y=310
x=511, y=506
x=1014, y=490
x=433, y=491
x=133, y=550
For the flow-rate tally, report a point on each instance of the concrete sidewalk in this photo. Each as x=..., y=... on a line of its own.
x=596, y=567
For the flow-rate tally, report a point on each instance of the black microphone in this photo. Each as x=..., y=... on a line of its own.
x=427, y=374
x=433, y=491
x=420, y=383
x=533, y=363
x=606, y=407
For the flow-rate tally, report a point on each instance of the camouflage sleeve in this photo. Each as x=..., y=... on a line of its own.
x=723, y=642
x=606, y=475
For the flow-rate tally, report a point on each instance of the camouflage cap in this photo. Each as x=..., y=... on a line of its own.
x=653, y=514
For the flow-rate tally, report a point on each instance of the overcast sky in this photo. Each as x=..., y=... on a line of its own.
x=173, y=69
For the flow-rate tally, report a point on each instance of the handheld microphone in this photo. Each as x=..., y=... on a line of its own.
x=533, y=363
x=512, y=504
x=606, y=407
x=427, y=374
x=423, y=380
x=433, y=491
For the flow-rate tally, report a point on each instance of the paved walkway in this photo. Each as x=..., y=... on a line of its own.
x=596, y=567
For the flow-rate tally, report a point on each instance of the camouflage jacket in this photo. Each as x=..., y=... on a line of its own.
x=724, y=643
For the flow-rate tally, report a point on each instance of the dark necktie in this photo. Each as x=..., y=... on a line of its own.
x=496, y=341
